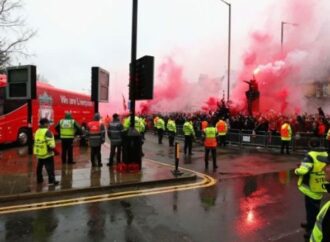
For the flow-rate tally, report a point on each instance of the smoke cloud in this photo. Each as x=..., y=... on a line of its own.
x=285, y=71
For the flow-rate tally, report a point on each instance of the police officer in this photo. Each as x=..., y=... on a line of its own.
x=115, y=133
x=96, y=135
x=67, y=128
x=44, y=148
x=210, y=143
x=189, y=135
x=311, y=174
x=321, y=230
x=160, y=125
x=171, y=128
x=328, y=140
x=222, y=128
x=286, y=135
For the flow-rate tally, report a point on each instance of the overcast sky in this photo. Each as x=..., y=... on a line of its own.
x=74, y=35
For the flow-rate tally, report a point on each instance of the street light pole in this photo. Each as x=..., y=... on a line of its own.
x=133, y=59
x=282, y=31
x=229, y=48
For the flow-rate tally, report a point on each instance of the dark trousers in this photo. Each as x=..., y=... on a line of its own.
x=222, y=140
x=160, y=133
x=49, y=164
x=96, y=155
x=113, y=150
x=214, y=157
x=171, y=136
x=312, y=207
x=188, y=144
x=285, y=144
x=67, y=150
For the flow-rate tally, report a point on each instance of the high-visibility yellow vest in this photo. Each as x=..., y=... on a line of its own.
x=171, y=126
x=315, y=187
x=67, y=129
x=137, y=124
x=317, y=234
x=160, y=124
x=142, y=123
x=286, y=132
x=188, y=129
x=210, y=137
x=317, y=175
x=328, y=135
x=40, y=148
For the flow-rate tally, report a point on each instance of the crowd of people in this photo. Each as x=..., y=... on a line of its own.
x=212, y=127
x=313, y=124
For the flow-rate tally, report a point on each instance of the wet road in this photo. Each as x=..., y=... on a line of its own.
x=255, y=199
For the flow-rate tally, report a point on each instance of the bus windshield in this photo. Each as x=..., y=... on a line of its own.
x=7, y=106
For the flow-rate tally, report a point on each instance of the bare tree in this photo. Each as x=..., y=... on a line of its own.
x=14, y=33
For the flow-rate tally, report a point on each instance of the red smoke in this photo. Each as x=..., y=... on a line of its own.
x=173, y=93
x=283, y=70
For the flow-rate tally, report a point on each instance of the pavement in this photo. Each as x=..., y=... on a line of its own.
x=18, y=176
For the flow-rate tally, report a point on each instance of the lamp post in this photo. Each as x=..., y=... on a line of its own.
x=282, y=31
x=229, y=45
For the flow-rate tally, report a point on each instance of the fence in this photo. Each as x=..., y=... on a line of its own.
x=264, y=139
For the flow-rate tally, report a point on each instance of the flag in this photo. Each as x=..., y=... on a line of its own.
x=124, y=103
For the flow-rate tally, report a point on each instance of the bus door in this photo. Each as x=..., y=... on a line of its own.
x=2, y=110
x=13, y=115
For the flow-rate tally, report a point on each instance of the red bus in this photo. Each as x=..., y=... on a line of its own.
x=51, y=103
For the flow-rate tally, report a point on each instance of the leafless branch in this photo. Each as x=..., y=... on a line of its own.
x=14, y=31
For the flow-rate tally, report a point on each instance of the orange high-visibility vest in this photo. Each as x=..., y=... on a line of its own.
x=204, y=124
x=221, y=127
x=285, y=131
x=155, y=120
x=94, y=127
x=210, y=137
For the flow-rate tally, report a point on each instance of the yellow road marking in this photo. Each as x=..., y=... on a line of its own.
x=205, y=182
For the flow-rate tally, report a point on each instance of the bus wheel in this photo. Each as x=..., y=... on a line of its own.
x=22, y=137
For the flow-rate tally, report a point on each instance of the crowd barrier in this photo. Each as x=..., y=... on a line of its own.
x=263, y=139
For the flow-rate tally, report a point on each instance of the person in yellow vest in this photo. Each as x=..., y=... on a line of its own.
x=189, y=136
x=44, y=150
x=139, y=127
x=310, y=182
x=143, y=123
x=67, y=128
x=328, y=140
x=210, y=143
x=142, y=129
x=222, y=129
x=286, y=135
x=155, y=122
x=160, y=125
x=138, y=124
x=171, y=128
x=321, y=230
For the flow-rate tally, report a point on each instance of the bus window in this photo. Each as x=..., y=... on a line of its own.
x=2, y=100
x=11, y=105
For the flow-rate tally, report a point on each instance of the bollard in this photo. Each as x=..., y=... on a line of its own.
x=177, y=172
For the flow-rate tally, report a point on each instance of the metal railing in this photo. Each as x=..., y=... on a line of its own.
x=262, y=139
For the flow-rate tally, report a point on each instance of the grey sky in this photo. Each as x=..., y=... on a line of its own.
x=74, y=35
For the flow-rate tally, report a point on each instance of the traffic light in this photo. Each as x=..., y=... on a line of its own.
x=21, y=82
x=142, y=79
x=100, y=85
